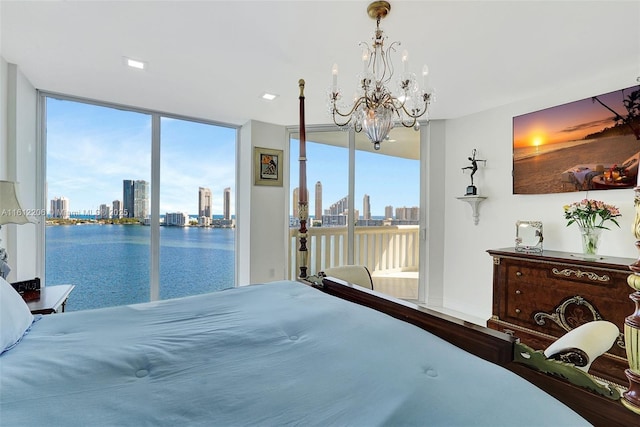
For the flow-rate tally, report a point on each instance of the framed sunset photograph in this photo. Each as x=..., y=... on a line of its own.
x=591, y=144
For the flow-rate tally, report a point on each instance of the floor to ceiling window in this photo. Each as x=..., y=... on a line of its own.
x=367, y=214
x=197, y=183
x=99, y=181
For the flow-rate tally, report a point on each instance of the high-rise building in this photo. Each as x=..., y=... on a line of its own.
x=414, y=213
x=104, y=211
x=127, y=198
x=176, y=218
x=339, y=207
x=116, y=209
x=408, y=214
x=204, y=202
x=60, y=208
x=388, y=212
x=140, y=199
x=318, y=206
x=366, y=207
x=226, y=208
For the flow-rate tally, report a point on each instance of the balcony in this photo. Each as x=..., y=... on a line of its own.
x=391, y=253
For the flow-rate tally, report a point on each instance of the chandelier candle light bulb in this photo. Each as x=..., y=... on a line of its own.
x=425, y=73
x=365, y=61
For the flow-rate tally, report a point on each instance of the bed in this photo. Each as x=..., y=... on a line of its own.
x=279, y=353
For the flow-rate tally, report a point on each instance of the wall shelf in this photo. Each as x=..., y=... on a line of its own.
x=474, y=202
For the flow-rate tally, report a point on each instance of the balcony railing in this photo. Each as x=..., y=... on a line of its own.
x=381, y=249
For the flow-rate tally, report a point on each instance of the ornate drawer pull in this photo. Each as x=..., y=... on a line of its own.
x=579, y=273
x=518, y=273
x=518, y=311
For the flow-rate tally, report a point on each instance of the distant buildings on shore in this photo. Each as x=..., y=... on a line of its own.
x=337, y=213
x=135, y=205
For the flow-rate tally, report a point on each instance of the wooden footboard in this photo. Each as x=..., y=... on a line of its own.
x=491, y=345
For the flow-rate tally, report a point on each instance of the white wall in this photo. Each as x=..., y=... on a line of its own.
x=4, y=71
x=263, y=215
x=468, y=268
x=18, y=148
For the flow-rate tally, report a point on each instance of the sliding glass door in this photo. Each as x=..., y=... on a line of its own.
x=364, y=206
x=387, y=192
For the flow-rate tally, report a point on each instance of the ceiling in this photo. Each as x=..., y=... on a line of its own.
x=213, y=59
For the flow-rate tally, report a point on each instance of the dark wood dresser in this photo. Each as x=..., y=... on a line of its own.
x=539, y=297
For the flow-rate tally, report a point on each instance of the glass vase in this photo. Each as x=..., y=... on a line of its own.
x=590, y=240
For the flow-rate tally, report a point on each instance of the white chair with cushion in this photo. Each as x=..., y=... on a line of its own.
x=355, y=274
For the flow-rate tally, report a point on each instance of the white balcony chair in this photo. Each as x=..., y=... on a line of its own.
x=355, y=274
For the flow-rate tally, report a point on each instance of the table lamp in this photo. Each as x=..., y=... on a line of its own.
x=10, y=213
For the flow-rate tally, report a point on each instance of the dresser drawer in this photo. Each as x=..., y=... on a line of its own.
x=542, y=297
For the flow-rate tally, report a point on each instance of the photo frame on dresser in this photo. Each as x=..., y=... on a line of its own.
x=529, y=236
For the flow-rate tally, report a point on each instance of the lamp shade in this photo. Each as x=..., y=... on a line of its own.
x=10, y=210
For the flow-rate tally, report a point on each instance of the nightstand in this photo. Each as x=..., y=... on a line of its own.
x=52, y=299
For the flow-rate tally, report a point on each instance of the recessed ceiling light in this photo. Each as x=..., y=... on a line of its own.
x=134, y=63
x=268, y=96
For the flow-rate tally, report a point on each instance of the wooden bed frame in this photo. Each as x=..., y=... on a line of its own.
x=491, y=345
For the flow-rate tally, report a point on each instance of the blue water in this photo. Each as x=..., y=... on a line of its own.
x=109, y=264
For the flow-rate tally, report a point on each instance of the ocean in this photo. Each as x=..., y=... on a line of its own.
x=109, y=264
x=521, y=153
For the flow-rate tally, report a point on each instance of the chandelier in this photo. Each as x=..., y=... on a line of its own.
x=375, y=109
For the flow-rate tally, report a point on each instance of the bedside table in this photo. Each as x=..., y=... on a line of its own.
x=52, y=299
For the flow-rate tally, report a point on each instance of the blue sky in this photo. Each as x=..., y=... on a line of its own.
x=92, y=149
x=387, y=180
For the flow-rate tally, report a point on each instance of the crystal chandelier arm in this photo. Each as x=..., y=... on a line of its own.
x=349, y=114
x=386, y=62
x=409, y=118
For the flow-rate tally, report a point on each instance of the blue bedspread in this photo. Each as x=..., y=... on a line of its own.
x=275, y=354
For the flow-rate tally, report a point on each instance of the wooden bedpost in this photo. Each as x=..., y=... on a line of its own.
x=631, y=398
x=303, y=204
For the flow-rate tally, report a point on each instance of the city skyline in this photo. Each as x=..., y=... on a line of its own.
x=90, y=148
x=60, y=207
x=340, y=207
x=388, y=180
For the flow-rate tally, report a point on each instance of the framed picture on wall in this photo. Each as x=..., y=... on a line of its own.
x=590, y=144
x=267, y=165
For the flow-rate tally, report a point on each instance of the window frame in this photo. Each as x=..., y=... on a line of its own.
x=155, y=147
x=424, y=292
